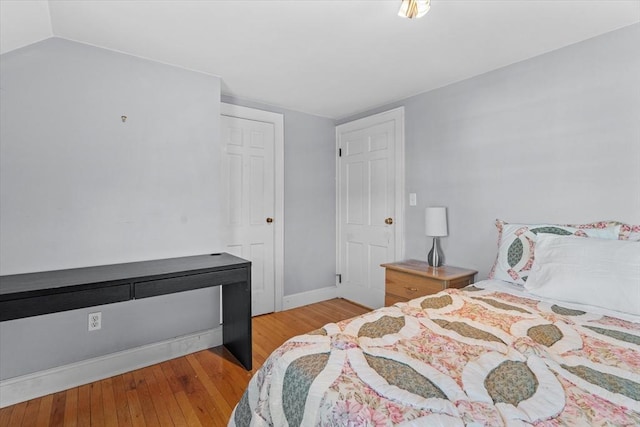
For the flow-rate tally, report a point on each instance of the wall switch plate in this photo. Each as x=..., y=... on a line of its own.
x=95, y=321
x=413, y=199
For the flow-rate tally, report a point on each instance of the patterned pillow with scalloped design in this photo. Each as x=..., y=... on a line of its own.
x=630, y=232
x=516, y=244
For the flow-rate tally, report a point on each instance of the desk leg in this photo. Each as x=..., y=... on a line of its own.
x=236, y=321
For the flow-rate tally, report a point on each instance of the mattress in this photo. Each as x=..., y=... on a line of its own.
x=489, y=354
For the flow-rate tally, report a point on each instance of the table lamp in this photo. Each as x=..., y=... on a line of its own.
x=435, y=226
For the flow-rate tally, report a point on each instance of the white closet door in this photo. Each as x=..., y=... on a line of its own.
x=249, y=206
x=368, y=213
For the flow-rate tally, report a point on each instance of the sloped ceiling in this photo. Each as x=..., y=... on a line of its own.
x=331, y=58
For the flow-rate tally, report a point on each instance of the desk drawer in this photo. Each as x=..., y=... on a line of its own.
x=63, y=301
x=189, y=282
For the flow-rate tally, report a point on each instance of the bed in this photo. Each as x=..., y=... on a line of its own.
x=494, y=353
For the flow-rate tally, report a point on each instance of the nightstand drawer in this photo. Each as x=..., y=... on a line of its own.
x=409, y=286
x=392, y=299
x=460, y=283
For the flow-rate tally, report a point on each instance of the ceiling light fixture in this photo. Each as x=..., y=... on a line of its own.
x=414, y=8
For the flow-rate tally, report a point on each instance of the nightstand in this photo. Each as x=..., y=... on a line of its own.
x=410, y=279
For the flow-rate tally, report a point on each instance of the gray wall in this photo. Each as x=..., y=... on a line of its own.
x=309, y=198
x=552, y=139
x=79, y=187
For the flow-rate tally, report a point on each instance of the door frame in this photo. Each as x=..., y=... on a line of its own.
x=397, y=115
x=277, y=120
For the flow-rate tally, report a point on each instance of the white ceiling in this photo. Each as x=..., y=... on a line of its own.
x=331, y=58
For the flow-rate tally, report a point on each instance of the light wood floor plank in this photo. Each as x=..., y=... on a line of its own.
x=183, y=389
x=18, y=414
x=84, y=405
x=187, y=409
x=168, y=398
x=30, y=417
x=146, y=402
x=5, y=415
x=57, y=409
x=230, y=382
x=45, y=411
x=155, y=410
x=109, y=403
x=208, y=413
x=135, y=407
x=121, y=401
x=212, y=389
x=200, y=389
x=71, y=408
x=97, y=410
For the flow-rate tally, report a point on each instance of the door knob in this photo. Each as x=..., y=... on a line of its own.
x=269, y=220
x=388, y=221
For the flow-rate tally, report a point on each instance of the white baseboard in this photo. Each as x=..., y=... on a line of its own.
x=309, y=297
x=37, y=384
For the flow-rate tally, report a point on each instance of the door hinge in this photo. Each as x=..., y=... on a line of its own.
x=339, y=152
x=339, y=276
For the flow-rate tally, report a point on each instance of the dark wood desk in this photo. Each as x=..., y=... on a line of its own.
x=33, y=294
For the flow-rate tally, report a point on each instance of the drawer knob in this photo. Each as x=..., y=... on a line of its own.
x=388, y=221
x=411, y=289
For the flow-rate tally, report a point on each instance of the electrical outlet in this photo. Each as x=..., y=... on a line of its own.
x=95, y=321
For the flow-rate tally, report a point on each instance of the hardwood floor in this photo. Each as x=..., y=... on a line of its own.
x=200, y=389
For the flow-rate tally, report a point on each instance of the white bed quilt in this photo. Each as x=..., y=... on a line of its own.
x=485, y=355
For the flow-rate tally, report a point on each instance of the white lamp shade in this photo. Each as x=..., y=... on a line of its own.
x=435, y=219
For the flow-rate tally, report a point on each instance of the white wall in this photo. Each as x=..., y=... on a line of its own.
x=78, y=187
x=552, y=139
x=23, y=23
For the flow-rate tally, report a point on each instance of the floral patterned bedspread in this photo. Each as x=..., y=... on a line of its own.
x=460, y=357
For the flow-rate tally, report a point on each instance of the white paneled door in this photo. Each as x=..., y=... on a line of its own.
x=370, y=213
x=249, y=208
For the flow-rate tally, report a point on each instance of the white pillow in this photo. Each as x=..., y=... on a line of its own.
x=600, y=272
x=517, y=242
